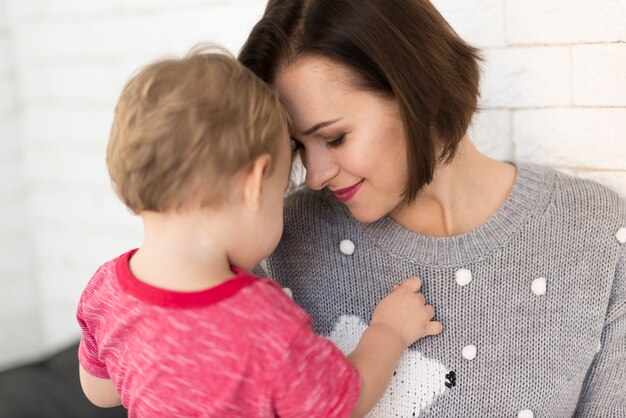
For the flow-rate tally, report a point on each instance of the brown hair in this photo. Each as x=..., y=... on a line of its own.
x=183, y=128
x=403, y=49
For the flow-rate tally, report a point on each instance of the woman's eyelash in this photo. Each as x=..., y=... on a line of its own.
x=335, y=143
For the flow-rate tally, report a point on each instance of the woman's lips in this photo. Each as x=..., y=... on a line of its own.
x=348, y=193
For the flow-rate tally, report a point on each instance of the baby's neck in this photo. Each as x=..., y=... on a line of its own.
x=179, y=254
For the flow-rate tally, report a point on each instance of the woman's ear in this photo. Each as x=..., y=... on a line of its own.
x=253, y=182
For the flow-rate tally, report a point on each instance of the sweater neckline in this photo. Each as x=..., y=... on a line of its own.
x=529, y=195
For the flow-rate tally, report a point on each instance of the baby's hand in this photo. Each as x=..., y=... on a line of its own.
x=405, y=311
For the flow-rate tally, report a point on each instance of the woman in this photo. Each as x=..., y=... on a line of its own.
x=526, y=267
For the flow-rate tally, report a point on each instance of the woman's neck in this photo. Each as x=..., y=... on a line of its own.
x=462, y=196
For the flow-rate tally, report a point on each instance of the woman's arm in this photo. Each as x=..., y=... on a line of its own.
x=603, y=393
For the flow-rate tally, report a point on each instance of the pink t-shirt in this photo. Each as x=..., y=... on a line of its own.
x=240, y=349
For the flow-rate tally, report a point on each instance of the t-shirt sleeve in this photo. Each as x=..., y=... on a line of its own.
x=603, y=393
x=315, y=379
x=88, y=355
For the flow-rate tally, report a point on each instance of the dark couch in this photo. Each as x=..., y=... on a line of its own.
x=49, y=389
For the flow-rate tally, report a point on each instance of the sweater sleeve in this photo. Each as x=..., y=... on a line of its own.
x=603, y=393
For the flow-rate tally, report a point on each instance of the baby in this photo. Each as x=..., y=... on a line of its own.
x=200, y=150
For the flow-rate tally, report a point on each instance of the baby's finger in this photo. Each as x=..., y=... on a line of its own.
x=430, y=311
x=413, y=283
x=434, y=328
x=420, y=299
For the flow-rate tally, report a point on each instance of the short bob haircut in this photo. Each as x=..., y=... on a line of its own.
x=402, y=49
x=184, y=127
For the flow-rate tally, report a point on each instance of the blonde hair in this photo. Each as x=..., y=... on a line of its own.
x=184, y=127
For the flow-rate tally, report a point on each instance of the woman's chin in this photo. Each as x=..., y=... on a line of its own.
x=365, y=215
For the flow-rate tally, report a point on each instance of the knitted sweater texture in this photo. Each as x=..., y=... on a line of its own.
x=533, y=302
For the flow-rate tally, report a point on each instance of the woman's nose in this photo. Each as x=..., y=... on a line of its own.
x=320, y=167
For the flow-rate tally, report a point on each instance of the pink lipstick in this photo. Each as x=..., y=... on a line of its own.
x=344, y=195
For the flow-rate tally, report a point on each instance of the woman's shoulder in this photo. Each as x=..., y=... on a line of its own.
x=566, y=193
x=579, y=207
x=582, y=196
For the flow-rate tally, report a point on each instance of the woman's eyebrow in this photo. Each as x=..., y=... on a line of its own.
x=319, y=126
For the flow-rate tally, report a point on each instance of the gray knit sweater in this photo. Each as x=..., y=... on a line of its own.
x=533, y=302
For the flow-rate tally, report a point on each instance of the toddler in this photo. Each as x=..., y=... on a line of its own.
x=200, y=150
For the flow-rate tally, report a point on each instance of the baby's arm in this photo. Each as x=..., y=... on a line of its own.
x=398, y=321
x=314, y=378
x=101, y=392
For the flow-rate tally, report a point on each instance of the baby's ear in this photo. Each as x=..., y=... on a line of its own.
x=253, y=182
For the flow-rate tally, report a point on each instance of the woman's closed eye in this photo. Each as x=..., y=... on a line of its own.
x=337, y=142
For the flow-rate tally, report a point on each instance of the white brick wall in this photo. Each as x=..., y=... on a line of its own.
x=517, y=77
x=480, y=22
x=20, y=334
x=572, y=137
x=553, y=93
x=592, y=66
x=491, y=132
x=554, y=85
x=536, y=22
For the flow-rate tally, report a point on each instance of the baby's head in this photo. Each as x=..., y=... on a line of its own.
x=199, y=135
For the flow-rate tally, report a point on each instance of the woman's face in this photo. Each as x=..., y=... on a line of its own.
x=351, y=141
